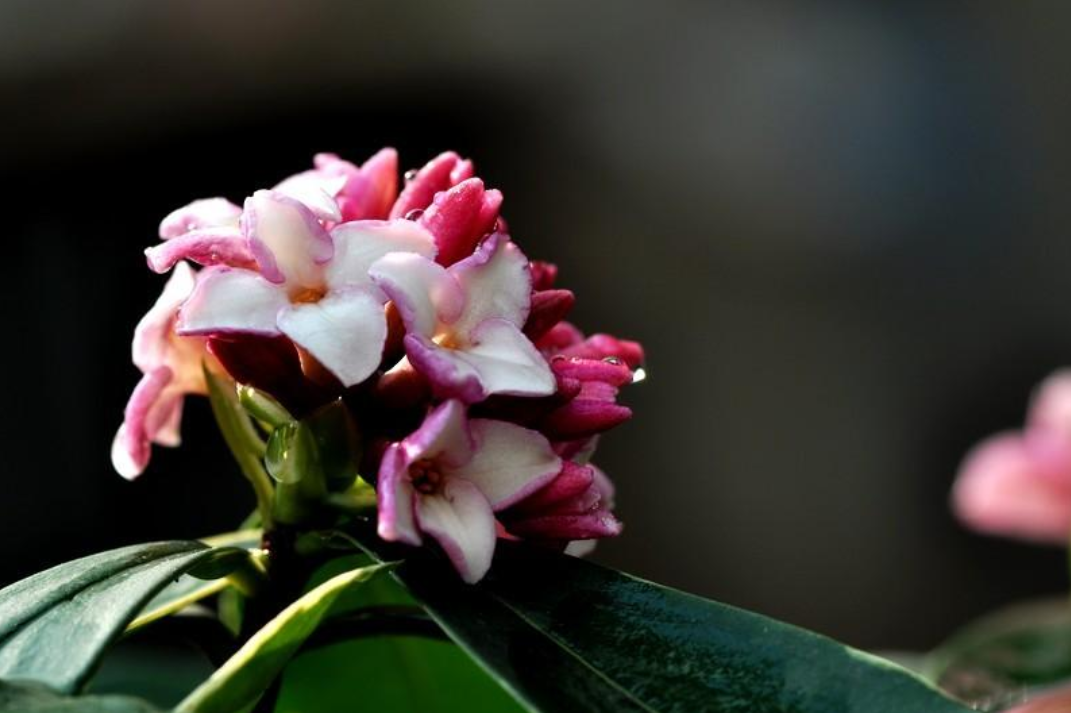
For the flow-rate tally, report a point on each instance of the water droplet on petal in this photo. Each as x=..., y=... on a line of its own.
x=414, y=214
x=410, y=174
x=616, y=361
x=557, y=358
x=639, y=375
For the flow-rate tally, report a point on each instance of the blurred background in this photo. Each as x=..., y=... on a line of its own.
x=839, y=229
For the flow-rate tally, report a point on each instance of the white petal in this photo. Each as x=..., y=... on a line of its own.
x=345, y=331
x=460, y=518
x=230, y=300
x=288, y=242
x=204, y=213
x=360, y=243
x=444, y=436
x=507, y=362
x=423, y=291
x=151, y=336
x=510, y=462
x=497, y=284
x=316, y=190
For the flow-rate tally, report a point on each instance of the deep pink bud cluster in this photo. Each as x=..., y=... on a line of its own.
x=480, y=406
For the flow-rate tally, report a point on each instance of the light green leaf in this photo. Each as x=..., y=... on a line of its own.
x=563, y=634
x=36, y=698
x=242, y=679
x=55, y=625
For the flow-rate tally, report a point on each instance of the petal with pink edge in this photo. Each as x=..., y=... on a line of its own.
x=132, y=444
x=317, y=190
x=460, y=518
x=207, y=246
x=396, y=498
x=151, y=336
x=507, y=362
x=230, y=300
x=288, y=242
x=204, y=213
x=423, y=291
x=443, y=436
x=359, y=244
x=345, y=331
x=510, y=463
x=1050, y=409
x=437, y=175
x=496, y=282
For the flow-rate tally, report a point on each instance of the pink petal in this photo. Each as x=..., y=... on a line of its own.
x=204, y=213
x=509, y=463
x=316, y=190
x=1050, y=409
x=359, y=244
x=132, y=445
x=152, y=336
x=345, y=331
x=496, y=282
x=602, y=346
x=444, y=436
x=370, y=190
x=424, y=293
x=544, y=275
x=1011, y=486
x=460, y=518
x=560, y=337
x=206, y=246
x=459, y=217
x=288, y=242
x=587, y=526
x=435, y=176
x=1058, y=701
x=230, y=300
x=396, y=499
x=548, y=308
x=573, y=480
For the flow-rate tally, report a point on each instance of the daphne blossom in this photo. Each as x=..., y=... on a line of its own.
x=448, y=478
x=1019, y=484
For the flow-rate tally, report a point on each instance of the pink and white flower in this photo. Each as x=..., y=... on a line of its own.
x=308, y=283
x=464, y=322
x=1019, y=484
x=448, y=478
x=171, y=368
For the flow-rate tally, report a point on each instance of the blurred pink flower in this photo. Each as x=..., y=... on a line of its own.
x=1054, y=702
x=1019, y=484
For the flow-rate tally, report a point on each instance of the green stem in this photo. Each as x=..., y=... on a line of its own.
x=241, y=437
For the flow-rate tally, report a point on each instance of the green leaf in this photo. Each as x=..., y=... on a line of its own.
x=390, y=674
x=243, y=678
x=1005, y=655
x=563, y=634
x=55, y=625
x=36, y=698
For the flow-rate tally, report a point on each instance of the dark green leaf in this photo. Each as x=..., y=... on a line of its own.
x=55, y=625
x=998, y=658
x=338, y=445
x=37, y=698
x=567, y=635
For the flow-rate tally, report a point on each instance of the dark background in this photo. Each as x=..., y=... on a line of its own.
x=839, y=229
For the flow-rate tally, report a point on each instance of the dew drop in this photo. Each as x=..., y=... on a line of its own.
x=557, y=358
x=613, y=360
x=414, y=214
x=410, y=174
x=639, y=375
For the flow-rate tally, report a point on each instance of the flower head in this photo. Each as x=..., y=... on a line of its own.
x=1019, y=484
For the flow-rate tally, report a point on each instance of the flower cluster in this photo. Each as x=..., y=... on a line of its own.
x=1019, y=483
x=478, y=406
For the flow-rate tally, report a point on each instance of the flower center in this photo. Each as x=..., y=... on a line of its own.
x=425, y=476
x=308, y=295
